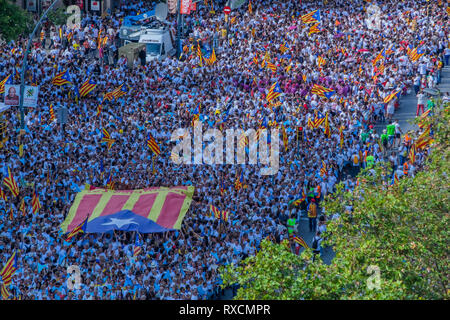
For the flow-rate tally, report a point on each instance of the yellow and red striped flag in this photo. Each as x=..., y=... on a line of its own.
x=341, y=136
x=322, y=91
x=116, y=93
x=327, y=130
x=213, y=58
x=2, y=84
x=79, y=229
x=238, y=183
x=9, y=269
x=10, y=182
x=110, y=184
x=62, y=78
x=5, y=292
x=323, y=170
x=214, y=211
x=263, y=63
x=320, y=61
x=391, y=96
x=380, y=56
x=412, y=154
x=283, y=48
x=300, y=241
x=99, y=109
x=52, y=113
x=199, y=53
x=107, y=138
x=3, y=195
x=243, y=140
x=271, y=66
x=22, y=208
x=137, y=249
x=151, y=143
x=311, y=17
x=423, y=117
x=415, y=54
x=224, y=215
x=87, y=87
x=313, y=29
x=274, y=92
x=99, y=39
x=36, y=204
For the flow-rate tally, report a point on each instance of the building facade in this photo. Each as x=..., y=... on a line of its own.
x=93, y=6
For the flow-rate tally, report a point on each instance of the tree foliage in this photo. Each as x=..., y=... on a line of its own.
x=13, y=21
x=403, y=230
x=58, y=17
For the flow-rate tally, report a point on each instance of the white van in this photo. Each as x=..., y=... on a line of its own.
x=158, y=43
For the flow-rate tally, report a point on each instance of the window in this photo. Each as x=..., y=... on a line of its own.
x=153, y=48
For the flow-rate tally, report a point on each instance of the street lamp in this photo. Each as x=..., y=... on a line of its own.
x=25, y=64
x=178, y=28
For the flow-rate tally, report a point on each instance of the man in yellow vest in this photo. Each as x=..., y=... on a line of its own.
x=312, y=215
x=355, y=164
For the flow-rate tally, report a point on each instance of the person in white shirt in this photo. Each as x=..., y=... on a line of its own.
x=447, y=55
x=421, y=99
x=417, y=84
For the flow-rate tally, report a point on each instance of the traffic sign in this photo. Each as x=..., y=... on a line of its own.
x=227, y=10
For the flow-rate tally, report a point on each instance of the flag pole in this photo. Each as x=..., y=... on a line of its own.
x=25, y=64
x=153, y=165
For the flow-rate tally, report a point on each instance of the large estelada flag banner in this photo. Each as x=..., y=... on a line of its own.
x=143, y=210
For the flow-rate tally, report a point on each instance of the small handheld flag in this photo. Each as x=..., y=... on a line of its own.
x=35, y=202
x=52, y=113
x=87, y=87
x=151, y=143
x=137, y=246
x=300, y=241
x=10, y=182
x=62, y=78
x=9, y=269
x=107, y=138
x=79, y=229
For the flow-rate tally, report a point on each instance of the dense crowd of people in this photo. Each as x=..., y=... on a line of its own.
x=229, y=93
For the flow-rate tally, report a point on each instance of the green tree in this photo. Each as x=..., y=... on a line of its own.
x=402, y=230
x=13, y=21
x=58, y=17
